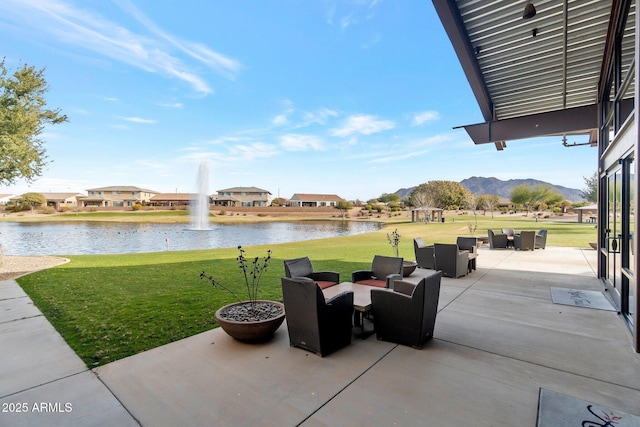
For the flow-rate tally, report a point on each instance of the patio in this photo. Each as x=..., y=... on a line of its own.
x=498, y=340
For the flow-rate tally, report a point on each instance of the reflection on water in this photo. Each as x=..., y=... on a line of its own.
x=120, y=238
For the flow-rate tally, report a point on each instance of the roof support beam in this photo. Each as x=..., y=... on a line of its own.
x=450, y=17
x=578, y=120
x=572, y=120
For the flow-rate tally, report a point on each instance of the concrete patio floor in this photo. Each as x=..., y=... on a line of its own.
x=498, y=340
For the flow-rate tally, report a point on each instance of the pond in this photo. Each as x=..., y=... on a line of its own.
x=122, y=238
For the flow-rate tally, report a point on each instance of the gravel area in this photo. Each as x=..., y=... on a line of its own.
x=12, y=266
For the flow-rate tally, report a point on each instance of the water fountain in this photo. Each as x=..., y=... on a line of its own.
x=200, y=209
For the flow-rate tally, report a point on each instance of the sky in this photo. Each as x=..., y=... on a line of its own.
x=352, y=97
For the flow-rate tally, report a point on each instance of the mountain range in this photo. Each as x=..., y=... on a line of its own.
x=482, y=185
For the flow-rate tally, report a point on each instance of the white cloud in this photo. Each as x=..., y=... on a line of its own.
x=396, y=157
x=155, y=52
x=297, y=142
x=280, y=120
x=253, y=151
x=424, y=117
x=172, y=105
x=139, y=120
x=318, y=117
x=363, y=124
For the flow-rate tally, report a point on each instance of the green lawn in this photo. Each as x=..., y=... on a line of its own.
x=111, y=306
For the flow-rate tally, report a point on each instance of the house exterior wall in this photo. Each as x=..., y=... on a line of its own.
x=314, y=200
x=242, y=196
x=120, y=196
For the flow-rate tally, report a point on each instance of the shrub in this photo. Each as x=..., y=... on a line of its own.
x=136, y=206
x=47, y=210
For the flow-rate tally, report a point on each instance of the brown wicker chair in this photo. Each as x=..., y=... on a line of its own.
x=424, y=254
x=541, y=239
x=497, y=240
x=469, y=244
x=314, y=324
x=302, y=267
x=451, y=260
x=525, y=241
x=407, y=315
x=384, y=271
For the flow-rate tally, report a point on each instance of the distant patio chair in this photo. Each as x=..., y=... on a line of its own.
x=384, y=271
x=407, y=315
x=451, y=260
x=509, y=232
x=314, y=324
x=541, y=239
x=469, y=244
x=302, y=267
x=424, y=254
x=525, y=241
x=497, y=240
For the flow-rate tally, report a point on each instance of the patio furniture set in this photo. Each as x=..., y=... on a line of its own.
x=321, y=311
x=454, y=260
x=525, y=240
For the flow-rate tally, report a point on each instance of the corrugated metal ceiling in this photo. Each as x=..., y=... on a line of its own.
x=546, y=63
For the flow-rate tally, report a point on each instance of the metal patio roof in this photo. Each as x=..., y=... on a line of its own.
x=537, y=76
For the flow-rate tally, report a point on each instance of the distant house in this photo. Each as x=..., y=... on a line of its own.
x=63, y=200
x=4, y=198
x=173, y=199
x=116, y=196
x=242, y=196
x=314, y=200
x=56, y=200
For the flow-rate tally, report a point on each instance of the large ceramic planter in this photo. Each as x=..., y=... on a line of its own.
x=408, y=267
x=250, y=331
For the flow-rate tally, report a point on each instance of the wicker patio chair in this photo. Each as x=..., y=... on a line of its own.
x=451, y=260
x=302, y=267
x=384, y=271
x=424, y=254
x=407, y=315
x=314, y=324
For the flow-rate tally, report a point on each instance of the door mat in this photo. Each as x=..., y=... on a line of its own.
x=580, y=298
x=560, y=410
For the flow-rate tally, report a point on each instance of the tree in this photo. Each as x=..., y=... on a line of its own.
x=487, y=202
x=32, y=200
x=441, y=194
x=386, y=198
x=590, y=192
x=344, y=207
x=23, y=116
x=529, y=196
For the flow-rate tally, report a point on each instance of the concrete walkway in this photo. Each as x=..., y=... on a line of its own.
x=498, y=340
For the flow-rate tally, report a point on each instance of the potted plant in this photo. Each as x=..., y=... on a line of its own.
x=408, y=267
x=249, y=320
